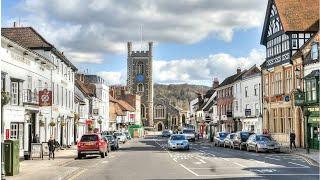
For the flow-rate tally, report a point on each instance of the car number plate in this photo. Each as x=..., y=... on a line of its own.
x=89, y=143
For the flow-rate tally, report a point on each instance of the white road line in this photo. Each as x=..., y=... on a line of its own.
x=189, y=170
x=175, y=160
x=272, y=158
x=298, y=164
x=239, y=164
x=225, y=159
x=253, y=174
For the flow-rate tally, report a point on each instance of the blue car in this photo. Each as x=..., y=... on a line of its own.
x=178, y=141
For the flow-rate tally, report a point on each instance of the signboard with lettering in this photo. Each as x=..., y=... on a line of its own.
x=45, y=149
x=45, y=98
x=36, y=150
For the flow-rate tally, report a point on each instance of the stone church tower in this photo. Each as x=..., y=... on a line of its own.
x=139, y=80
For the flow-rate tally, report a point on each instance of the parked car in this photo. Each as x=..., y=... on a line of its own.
x=240, y=138
x=127, y=135
x=178, y=141
x=166, y=133
x=228, y=141
x=92, y=144
x=190, y=134
x=114, y=145
x=262, y=143
x=120, y=136
x=219, y=138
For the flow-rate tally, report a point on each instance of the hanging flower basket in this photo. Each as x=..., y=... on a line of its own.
x=52, y=123
x=99, y=121
x=41, y=123
x=5, y=98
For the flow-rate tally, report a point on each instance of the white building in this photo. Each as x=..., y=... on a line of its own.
x=247, y=100
x=100, y=103
x=60, y=115
x=24, y=73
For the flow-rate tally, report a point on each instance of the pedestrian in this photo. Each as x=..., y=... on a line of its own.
x=292, y=140
x=52, y=145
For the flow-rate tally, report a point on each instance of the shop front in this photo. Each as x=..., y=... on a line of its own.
x=314, y=127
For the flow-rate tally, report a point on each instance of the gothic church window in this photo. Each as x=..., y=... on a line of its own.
x=160, y=113
x=140, y=87
x=143, y=111
x=140, y=68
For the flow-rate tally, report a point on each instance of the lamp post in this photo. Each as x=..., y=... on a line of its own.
x=306, y=114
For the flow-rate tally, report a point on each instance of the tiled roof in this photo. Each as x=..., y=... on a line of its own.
x=30, y=38
x=82, y=87
x=231, y=79
x=26, y=36
x=125, y=106
x=299, y=15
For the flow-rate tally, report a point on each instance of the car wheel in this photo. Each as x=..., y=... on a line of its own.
x=188, y=148
x=214, y=143
x=257, y=150
x=79, y=156
x=230, y=146
x=102, y=154
x=240, y=147
x=106, y=153
x=248, y=149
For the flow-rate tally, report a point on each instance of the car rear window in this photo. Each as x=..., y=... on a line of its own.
x=263, y=138
x=86, y=138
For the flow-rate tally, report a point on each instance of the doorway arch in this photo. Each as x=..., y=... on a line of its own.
x=160, y=126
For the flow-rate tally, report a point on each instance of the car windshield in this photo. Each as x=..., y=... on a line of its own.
x=180, y=137
x=87, y=138
x=263, y=138
x=188, y=131
x=231, y=136
x=223, y=135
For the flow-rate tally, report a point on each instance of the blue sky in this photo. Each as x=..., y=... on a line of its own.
x=211, y=41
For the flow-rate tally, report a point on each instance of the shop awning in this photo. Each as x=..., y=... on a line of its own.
x=313, y=74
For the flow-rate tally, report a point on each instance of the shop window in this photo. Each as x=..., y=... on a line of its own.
x=16, y=132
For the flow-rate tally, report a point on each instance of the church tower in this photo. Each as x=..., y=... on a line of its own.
x=139, y=80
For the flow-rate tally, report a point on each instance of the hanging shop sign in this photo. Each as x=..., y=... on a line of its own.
x=299, y=98
x=45, y=98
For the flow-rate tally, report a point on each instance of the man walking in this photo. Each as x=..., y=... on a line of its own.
x=51, y=144
x=292, y=140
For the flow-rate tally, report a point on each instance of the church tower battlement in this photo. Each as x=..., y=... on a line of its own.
x=139, y=80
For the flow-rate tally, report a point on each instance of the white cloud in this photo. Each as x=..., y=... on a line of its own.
x=195, y=71
x=98, y=27
x=113, y=78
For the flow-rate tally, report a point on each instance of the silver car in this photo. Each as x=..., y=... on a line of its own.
x=178, y=141
x=262, y=143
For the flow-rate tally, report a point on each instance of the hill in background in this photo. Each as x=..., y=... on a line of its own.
x=179, y=94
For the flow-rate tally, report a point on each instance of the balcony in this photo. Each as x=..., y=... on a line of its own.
x=30, y=97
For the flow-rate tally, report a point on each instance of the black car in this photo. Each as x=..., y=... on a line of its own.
x=113, y=142
x=166, y=133
x=240, y=138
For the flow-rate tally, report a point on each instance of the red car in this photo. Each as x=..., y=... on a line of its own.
x=92, y=144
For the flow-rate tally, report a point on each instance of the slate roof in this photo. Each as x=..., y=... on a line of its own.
x=232, y=79
x=30, y=38
x=211, y=103
x=295, y=15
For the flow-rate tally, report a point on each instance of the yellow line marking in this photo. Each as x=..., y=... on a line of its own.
x=77, y=174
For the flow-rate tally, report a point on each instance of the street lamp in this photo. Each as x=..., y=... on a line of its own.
x=27, y=117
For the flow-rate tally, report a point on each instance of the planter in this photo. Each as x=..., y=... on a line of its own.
x=5, y=98
x=52, y=124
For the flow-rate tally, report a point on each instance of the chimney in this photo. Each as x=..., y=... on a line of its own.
x=14, y=24
x=129, y=48
x=150, y=48
x=238, y=70
x=215, y=83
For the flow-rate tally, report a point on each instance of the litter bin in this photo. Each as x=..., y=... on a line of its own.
x=11, y=157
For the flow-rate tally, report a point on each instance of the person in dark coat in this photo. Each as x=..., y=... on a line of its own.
x=52, y=145
x=292, y=140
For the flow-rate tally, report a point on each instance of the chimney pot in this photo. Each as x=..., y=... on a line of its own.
x=238, y=70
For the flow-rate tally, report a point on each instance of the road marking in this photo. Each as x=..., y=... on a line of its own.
x=272, y=158
x=175, y=160
x=225, y=159
x=189, y=170
x=104, y=162
x=298, y=164
x=255, y=175
x=239, y=164
x=77, y=174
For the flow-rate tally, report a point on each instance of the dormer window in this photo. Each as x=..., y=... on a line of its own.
x=314, y=51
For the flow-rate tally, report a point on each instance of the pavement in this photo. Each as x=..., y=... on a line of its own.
x=149, y=158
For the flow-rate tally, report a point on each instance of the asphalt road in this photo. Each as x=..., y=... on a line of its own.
x=149, y=159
